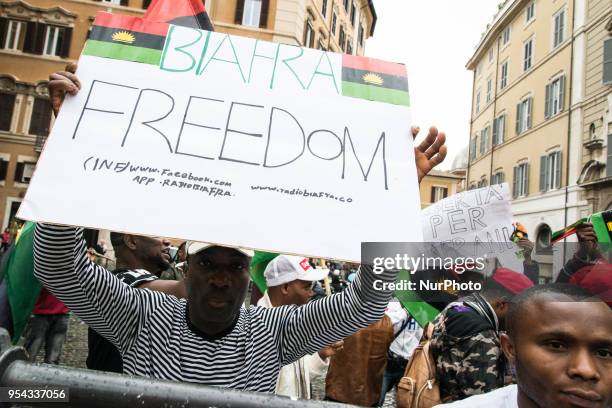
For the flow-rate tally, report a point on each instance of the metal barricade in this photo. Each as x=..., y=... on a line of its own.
x=92, y=389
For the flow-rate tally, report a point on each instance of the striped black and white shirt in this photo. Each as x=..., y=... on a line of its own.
x=156, y=339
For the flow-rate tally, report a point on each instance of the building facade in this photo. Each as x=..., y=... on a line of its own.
x=528, y=107
x=438, y=185
x=38, y=37
x=596, y=127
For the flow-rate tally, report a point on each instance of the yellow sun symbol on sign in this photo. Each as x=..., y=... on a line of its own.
x=373, y=79
x=124, y=37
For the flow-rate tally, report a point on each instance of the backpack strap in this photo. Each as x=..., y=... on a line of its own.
x=428, y=331
x=402, y=328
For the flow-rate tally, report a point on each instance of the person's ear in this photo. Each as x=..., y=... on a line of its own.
x=129, y=241
x=507, y=346
x=285, y=289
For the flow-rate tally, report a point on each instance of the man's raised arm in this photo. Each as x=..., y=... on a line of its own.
x=110, y=307
x=305, y=329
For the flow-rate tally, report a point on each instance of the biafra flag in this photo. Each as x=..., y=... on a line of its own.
x=126, y=38
x=186, y=13
x=374, y=80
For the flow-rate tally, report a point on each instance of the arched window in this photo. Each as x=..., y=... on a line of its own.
x=592, y=130
x=543, y=238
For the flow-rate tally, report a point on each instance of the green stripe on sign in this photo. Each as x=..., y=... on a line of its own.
x=122, y=52
x=374, y=93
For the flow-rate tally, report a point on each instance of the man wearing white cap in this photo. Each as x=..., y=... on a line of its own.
x=208, y=338
x=290, y=280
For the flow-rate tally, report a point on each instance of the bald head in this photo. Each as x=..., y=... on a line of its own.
x=141, y=252
x=553, y=292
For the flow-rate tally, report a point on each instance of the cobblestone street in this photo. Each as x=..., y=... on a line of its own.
x=75, y=353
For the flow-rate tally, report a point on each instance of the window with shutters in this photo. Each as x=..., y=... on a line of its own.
x=334, y=22
x=505, y=38
x=7, y=106
x=41, y=117
x=497, y=178
x=24, y=172
x=361, y=32
x=530, y=11
x=309, y=35
x=489, y=89
x=528, y=54
x=346, y=5
x=523, y=115
x=251, y=15
x=555, y=95
x=499, y=129
x=473, y=144
x=341, y=38
x=54, y=40
x=322, y=46
x=550, y=172
x=607, y=62
x=477, y=106
x=349, y=47
x=559, y=28
x=324, y=8
x=15, y=35
x=483, y=182
x=438, y=193
x=4, y=163
x=353, y=14
x=520, y=184
x=503, y=80
x=484, y=140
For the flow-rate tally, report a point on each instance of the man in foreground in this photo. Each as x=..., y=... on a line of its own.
x=209, y=338
x=559, y=341
x=290, y=280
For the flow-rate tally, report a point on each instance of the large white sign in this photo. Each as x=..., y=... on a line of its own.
x=236, y=142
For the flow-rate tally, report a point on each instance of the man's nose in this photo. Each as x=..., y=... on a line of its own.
x=582, y=366
x=219, y=279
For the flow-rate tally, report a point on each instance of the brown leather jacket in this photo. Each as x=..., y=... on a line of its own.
x=355, y=374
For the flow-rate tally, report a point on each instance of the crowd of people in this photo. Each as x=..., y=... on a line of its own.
x=514, y=343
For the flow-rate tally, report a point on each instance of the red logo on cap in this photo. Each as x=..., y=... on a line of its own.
x=304, y=264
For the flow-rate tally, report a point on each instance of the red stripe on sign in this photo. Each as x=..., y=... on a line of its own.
x=130, y=23
x=374, y=65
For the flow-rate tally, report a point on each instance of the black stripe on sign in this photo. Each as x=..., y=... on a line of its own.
x=389, y=81
x=100, y=33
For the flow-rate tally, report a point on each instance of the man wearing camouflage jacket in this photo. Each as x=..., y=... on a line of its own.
x=466, y=338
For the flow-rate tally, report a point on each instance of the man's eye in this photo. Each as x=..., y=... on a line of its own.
x=555, y=345
x=204, y=263
x=604, y=353
x=239, y=267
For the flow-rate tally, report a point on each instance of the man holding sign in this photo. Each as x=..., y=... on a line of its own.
x=209, y=338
